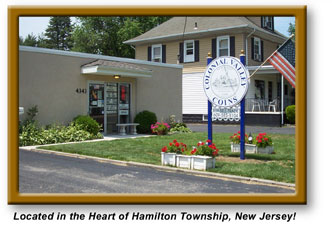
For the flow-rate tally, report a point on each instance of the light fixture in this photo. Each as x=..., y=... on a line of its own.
x=116, y=76
x=250, y=138
x=195, y=26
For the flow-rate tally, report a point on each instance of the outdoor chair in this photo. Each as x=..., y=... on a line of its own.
x=255, y=104
x=273, y=105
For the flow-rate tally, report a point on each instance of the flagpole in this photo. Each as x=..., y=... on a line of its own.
x=269, y=57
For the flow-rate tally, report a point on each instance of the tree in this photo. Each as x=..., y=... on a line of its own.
x=30, y=40
x=105, y=35
x=59, y=33
x=291, y=30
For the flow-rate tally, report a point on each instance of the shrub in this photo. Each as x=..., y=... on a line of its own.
x=145, y=120
x=290, y=113
x=34, y=135
x=87, y=123
x=181, y=128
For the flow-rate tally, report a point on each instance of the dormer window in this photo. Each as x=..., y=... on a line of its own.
x=267, y=22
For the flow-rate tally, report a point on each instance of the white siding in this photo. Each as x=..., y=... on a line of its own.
x=193, y=95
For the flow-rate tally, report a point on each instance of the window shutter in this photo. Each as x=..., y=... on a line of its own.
x=252, y=49
x=232, y=45
x=262, y=51
x=163, y=54
x=181, y=53
x=262, y=26
x=149, y=53
x=214, y=48
x=196, y=51
x=272, y=23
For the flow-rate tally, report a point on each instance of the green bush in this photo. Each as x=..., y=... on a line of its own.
x=87, y=123
x=33, y=135
x=290, y=114
x=181, y=128
x=145, y=120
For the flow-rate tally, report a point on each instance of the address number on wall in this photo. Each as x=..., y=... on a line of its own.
x=79, y=90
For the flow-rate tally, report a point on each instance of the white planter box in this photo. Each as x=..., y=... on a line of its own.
x=252, y=149
x=183, y=161
x=168, y=159
x=200, y=162
x=249, y=148
x=266, y=150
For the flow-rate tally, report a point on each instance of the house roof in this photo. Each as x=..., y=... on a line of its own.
x=183, y=28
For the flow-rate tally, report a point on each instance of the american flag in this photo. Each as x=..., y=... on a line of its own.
x=283, y=60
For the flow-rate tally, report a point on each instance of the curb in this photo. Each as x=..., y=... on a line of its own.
x=169, y=169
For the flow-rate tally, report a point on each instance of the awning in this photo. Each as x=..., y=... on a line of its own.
x=111, y=68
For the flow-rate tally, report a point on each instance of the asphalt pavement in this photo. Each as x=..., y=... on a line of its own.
x=218, y=128
x=52, y=173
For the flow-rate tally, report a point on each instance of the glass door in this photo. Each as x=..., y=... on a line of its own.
x=111, y=93
x=96, y=102
x=124, y=103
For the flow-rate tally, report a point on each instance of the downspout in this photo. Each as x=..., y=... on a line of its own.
x=247, y=45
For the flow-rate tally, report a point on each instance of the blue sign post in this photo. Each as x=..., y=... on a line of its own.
x=242, y=121
x=209, y=59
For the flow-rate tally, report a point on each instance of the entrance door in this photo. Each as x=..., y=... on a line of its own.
x=111, y=107
x=124, y=103
x=96, y=102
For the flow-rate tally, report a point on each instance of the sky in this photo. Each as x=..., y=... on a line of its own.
x=38, y=25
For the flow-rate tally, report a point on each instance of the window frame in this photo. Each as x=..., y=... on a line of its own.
x=188, y=58
x=153, y=55
x=228, y=44
x=257, y=39
x=265, y=21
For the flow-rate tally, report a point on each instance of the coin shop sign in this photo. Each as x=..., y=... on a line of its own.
x=226, y=81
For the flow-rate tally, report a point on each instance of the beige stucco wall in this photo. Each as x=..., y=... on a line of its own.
x=50, y=82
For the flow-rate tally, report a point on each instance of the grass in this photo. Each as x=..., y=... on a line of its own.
x=278, y=167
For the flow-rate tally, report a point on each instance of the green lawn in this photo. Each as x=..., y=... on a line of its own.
x=279, y=166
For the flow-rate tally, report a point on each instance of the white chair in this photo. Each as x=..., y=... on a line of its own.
x=255, y=104
x=273, y=105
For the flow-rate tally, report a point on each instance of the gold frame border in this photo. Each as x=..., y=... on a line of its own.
x=300, y=195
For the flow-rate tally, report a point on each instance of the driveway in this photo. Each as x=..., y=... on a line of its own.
x=249, y=129
x=50, y=173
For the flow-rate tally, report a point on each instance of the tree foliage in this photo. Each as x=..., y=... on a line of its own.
x=291, y=30
x=59, y=33
x=105, y=35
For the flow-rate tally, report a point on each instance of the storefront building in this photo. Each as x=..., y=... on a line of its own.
x=111, y=90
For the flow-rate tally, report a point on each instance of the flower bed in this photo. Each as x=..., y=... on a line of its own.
x=262, y=145
x=201, y=157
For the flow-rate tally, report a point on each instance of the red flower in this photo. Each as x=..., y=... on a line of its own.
x=174, y=141
x=238, y=137
x=164, y=149
x=266, y=139
x=170, y=144
x=182, y=150
x=177, y=144
x=239, y=132
x=208, y=141
x=259, y=141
